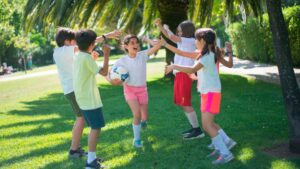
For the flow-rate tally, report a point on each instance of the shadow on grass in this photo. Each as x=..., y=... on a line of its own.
x=251, y=114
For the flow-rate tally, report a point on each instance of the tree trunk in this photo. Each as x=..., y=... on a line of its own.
x=290, y=90
x=172, y=12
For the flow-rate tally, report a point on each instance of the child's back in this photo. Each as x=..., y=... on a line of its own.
x=63, y=58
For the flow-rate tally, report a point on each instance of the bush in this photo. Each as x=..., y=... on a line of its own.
x=253, y=40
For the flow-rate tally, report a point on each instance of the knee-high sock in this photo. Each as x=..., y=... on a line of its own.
x=192, y=117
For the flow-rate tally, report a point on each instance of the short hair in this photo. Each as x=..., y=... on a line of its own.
x=187, y=28
x=64, y=34
x=84, y=38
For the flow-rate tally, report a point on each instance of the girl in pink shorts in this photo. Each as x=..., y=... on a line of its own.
x=135, y=89
x=209, y=86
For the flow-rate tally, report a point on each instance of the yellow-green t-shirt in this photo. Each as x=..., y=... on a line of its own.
x=84, y=80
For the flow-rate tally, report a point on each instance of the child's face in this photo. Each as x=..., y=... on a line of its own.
x=133, y=46
x=179, y=31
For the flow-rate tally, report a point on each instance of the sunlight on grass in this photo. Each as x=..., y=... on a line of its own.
x=120, y=160
x=117, y=124
x=245, y=155
x=280, y=164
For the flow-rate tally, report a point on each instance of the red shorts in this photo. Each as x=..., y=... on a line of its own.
x=136, y=93
x=210, y=102
x=182, y=89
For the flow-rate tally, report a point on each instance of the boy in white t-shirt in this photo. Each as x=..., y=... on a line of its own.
x=63, y=57
x=135, y=89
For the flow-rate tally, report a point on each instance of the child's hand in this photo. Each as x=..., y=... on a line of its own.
x=106, y=50
x=169, y=69
x=145, y=39
x=157, y=22
x=114, y=35
x=95, y=55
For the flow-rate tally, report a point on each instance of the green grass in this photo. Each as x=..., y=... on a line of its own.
x=36, y=123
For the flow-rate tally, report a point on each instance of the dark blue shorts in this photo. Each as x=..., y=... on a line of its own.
x=94, y=118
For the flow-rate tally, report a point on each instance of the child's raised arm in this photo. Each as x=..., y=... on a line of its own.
x=166, y=31
x=111, y=35
x=155, y=48
x=228, y=51
x=106, y=52
x=193, y=55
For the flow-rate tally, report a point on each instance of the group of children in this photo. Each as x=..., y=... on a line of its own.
x=196, y=52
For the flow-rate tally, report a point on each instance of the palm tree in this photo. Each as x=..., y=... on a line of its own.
x=78, y=13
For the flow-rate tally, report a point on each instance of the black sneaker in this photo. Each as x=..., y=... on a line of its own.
x=187, y=132
x=95, y=164
x=196, y=133
x=77, y=153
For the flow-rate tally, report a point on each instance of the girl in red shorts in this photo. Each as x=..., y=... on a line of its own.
x=209, y=86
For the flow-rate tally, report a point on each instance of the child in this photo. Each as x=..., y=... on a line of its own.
x=135, y=90
x=209, y=87
x=183, y=82
x=86, y=90
x=63, y=57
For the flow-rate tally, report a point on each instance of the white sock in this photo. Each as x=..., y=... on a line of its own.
x=91, y=156
x=136, y=131
x=192, y=117
x=224, y=136
x=220, y=145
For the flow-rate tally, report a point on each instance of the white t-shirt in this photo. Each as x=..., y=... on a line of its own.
x=188, y=45
x=63, y=58
x=208, y=76
x=136, y=68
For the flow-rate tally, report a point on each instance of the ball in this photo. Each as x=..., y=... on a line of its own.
x=118, y=72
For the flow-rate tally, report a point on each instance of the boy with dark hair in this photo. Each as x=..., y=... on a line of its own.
x=86, y=90
x=63, y=57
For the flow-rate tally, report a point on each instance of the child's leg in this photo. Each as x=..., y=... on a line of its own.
x=92, y=143
x=77, y=132
x=191, y=116
x=208, y=124
x=136, y=111
x=144, y=112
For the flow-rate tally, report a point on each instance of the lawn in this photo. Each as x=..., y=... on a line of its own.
x=36, y=123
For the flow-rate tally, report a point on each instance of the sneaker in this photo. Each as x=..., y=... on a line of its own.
x=231, y=144
x=95, y=164
x=185, y=133
x=211, y=146
x=196, y=133
x=214, y=154
x=137, y=143
x=144, y=125
x=223, y=159
x=77, y=153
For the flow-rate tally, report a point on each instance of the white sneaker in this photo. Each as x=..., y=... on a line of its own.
x=230, y=144
x=137, y=143
x=223, y=159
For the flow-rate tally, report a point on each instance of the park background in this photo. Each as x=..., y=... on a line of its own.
x=35, y=120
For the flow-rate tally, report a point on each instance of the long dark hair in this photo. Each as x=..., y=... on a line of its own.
x=209, y=36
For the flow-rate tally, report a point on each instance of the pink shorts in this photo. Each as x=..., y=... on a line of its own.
x=182, y=89
x=136, y=93
x=210, y=102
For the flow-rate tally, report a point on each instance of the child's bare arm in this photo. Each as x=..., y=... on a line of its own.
x=111, y=35
x=155, y=48
x=185, y=69
x=166, y=31
x=106, y=52
x=192, y=55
